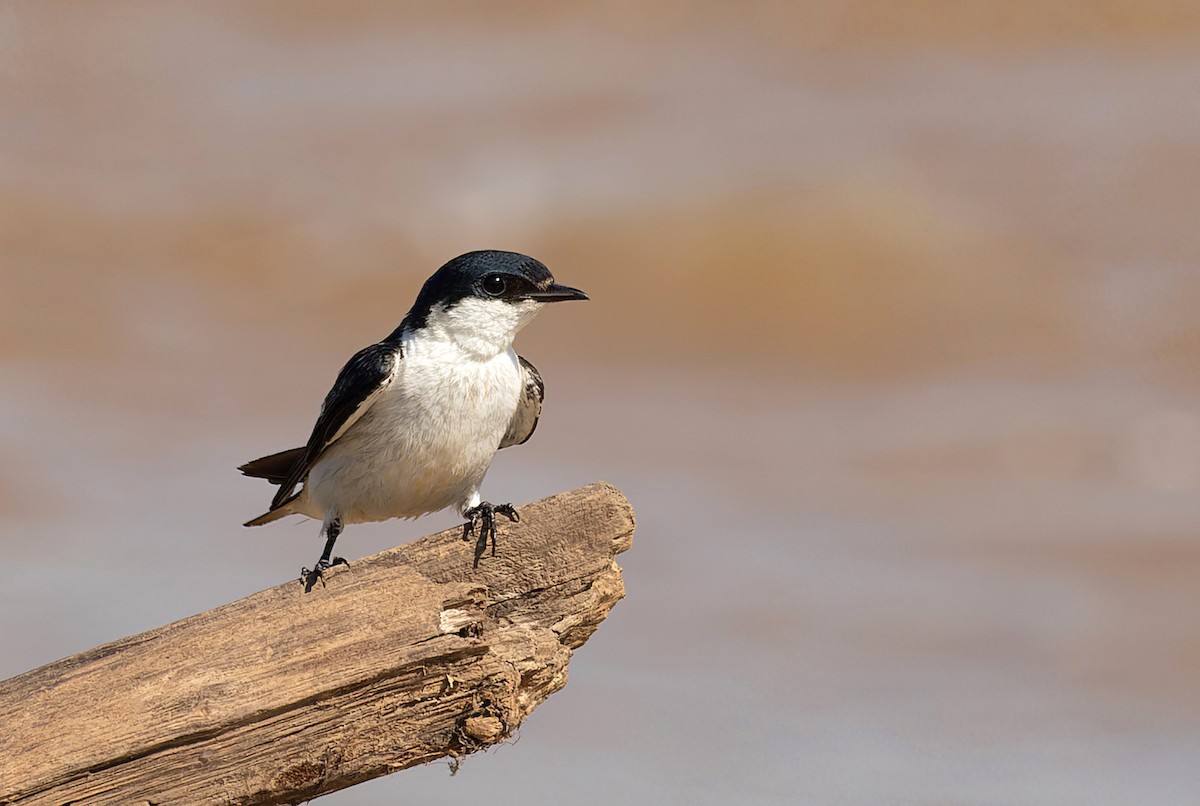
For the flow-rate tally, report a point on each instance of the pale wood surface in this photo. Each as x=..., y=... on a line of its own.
x=407, y=656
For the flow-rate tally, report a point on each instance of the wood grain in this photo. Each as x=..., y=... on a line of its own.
x=408, y=656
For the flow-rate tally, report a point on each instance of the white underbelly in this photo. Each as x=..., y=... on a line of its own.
x=424, y=445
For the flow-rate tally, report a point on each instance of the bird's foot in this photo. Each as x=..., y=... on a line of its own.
x=483, y=518
x=309, y=578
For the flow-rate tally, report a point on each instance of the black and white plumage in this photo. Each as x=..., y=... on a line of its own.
x=412, y=422
x=525, y=418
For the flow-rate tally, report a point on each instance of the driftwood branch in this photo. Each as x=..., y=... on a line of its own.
x=405, y=657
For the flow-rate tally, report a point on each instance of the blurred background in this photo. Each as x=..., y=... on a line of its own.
x=892, y=344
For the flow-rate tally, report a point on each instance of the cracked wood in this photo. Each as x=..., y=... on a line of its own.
x=406, y=657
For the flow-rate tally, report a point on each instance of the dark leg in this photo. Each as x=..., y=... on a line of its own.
x=484, y=517
x=309, y=578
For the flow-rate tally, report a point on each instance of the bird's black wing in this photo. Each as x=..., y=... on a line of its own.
x=529, y=407
x=360, y=382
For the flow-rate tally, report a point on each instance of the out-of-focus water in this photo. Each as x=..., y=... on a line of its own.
x=892, y=346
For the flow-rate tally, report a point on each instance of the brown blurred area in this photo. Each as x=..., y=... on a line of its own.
x=892, y=343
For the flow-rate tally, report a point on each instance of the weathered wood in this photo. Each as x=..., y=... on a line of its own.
x=405, y=657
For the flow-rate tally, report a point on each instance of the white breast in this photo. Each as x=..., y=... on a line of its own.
x=426, y=442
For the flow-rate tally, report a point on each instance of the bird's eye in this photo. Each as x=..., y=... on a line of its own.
x=494, y=285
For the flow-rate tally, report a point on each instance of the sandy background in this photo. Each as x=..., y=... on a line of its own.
x=893, y=345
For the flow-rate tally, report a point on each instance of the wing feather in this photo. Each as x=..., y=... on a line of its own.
x=529, y=407
x=358, y=385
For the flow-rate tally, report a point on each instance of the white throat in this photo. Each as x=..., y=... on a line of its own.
x=480, y=328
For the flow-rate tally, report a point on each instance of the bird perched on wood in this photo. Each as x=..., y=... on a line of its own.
x=412, y=423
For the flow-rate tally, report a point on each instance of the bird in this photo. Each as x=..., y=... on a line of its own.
x=413, y=422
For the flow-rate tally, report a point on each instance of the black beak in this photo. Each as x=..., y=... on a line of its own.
x=557, y=293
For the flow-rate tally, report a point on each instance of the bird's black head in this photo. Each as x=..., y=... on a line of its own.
x=488, y=275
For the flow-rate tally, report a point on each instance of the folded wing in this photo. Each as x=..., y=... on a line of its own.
x=529, y=407
x=358, y=385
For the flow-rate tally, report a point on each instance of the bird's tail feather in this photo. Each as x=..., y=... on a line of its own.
x=275, y=514
x=275, y=468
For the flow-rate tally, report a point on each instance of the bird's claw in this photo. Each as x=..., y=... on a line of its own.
x=309, y=578
x=484, y=516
